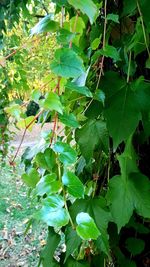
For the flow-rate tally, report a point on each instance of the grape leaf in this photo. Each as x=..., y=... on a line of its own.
x=67, y=63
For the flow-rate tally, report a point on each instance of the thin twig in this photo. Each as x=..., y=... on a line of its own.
x=23, y=136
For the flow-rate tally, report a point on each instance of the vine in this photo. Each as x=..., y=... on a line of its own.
x=89, y=180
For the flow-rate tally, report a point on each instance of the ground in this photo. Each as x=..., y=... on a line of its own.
x=16, y=208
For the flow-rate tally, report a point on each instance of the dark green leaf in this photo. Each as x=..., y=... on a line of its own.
x=92, y=134
x=72, y=241
x=135, y=245
x=47, y=254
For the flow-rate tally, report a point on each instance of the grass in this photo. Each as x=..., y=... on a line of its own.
x=16, y=208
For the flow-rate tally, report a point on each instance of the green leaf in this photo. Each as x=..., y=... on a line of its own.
x=54, y=202
x=92, y=134
x=67, y=63
x=69, y=120
x=135, y=245
x=64, y=36
x=53, y=214
x=52, y=102
x=110, y=51
x=45, y=25
x=97, y=208
x=47, y=254
x=67, y=155
x=120, y=109
x=86, y=228
x=73, y=241
x=46, y=160
x=48, y=185
x=113, y=17
x=83, y=90
x=148, y=63
x=95, y=43
x=74, y=185
x=87, y=7
x=128, y=191
x=71, y=262
x=31, y=178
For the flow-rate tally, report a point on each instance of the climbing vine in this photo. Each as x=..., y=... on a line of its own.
x=90, y=174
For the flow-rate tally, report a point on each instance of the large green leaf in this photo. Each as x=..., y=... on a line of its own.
x=67, y=63
x=74, y=185
x=86, y=6
x=86, y=228
x=83, y=90
x=67, y=155
x=92, y=134
x=47, y=254
x=121, y=112
x=98, y=210
x=45, y=25
x=129, y=191
x=72, y=241
x=52, y=102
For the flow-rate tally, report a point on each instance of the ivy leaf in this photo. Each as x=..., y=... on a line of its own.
x=45, y=25
x=31, y=178
x=87, y=7
x=67, y=155
x=74, y=185
x=86, y=228
x=52, y=102
x=69, y=120
x=47, y=254
x=67, y=63
x=119, y=97
x=73, y=241
x=54, y=202
x=83, y=90
x=92, y=134
x=48, y=185
x=135, y=245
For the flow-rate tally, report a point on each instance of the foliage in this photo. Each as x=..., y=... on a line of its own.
x=88, y=177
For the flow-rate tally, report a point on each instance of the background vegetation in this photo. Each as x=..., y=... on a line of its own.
x=86, y=64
